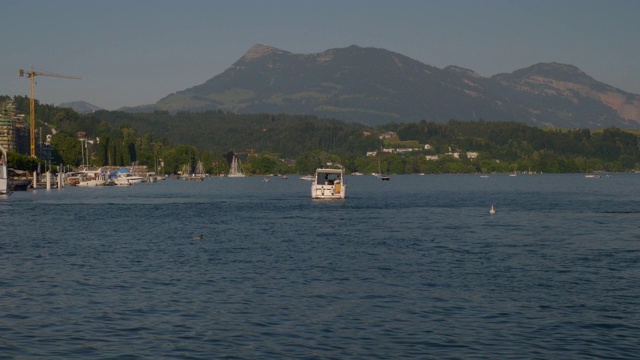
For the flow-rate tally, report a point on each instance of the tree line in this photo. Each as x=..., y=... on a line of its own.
x=281, y=143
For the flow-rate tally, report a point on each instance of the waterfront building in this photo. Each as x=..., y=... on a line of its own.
x=14, y=132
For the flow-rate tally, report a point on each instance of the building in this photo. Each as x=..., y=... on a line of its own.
x=456, y=155
x=14, y=132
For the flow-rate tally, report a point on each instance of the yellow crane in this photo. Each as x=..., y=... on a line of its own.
x=32, y=79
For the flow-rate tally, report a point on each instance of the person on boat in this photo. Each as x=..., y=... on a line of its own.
x=328, y=180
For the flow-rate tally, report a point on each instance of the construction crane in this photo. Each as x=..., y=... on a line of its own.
x=32, y=79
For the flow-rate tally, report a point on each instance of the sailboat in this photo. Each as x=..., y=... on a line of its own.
x=383, y=177
x=89, y=178
x=236, y=168
x=198, y=175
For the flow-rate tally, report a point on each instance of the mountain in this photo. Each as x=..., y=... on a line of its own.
x=81, y=107
x=373, y=86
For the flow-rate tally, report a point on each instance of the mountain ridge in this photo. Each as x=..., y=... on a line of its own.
x=81, y=107
x=372, y=86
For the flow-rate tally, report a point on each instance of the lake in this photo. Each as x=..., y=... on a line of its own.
x=411, y=268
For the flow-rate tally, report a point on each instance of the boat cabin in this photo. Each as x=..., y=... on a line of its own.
x=328, y=184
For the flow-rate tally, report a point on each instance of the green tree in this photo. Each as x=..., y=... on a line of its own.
x=264, y=164
x=175, y=158
x=69, y=149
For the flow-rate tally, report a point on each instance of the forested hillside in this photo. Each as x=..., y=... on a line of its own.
x=277, y=143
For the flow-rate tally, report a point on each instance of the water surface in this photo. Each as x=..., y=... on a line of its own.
x=410, y=268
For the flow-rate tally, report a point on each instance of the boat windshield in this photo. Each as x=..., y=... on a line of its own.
x=327, y=178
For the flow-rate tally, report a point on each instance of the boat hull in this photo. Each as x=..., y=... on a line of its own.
x=91, y=183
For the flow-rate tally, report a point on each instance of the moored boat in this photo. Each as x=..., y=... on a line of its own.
x=124, y=177
x=130, y=178
x=19, y=180
x=199, y=175
x=91, y=182
x=383, y=177
x=236, y=168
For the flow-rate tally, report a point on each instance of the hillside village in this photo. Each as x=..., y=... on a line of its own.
x=391, y=138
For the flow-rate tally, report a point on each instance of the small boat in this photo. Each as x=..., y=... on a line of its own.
x=236, y=168
x=199, y=175
x=123, y=177
x=307, y=177
x=151, y=177
x=122, y=181
x=328, y=184
x=383, y=177
x=4, y=175
x=91, y=182
x=19, y=180
x=127, y=178
x=592, y=176
x=91, y=178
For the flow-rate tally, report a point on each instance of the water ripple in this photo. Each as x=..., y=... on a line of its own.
x=415, y=268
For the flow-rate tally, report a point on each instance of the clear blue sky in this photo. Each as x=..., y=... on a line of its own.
x=136, y=52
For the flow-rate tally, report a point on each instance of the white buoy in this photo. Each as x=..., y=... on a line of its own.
x=492, y=211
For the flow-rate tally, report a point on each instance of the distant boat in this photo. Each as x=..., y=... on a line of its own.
x=383, y=177
x=18, y=180
x=88, y=178
x=124, y=178
x=236, y=168
x=328, y=184
x=91, y=182
x=199, y=175
x=307, y=177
